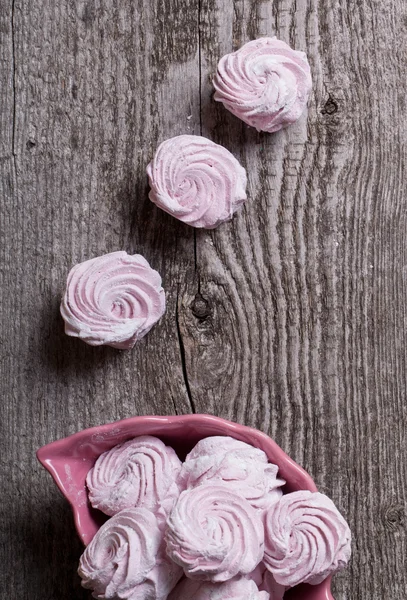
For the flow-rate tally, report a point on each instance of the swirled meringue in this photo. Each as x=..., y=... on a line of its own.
x=113, y=299
x=141, y=473
x=196, y=181
x=125, y=560
x=234, y=589
x=214, y=533
x=306, y=539
x=265, y=83
x=245, y=469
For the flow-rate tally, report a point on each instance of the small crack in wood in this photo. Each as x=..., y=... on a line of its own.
x=200, y=65
x=183, y=361
x=13, y=55
x=200, y=120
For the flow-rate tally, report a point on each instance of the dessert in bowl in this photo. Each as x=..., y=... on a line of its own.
x=69, y=461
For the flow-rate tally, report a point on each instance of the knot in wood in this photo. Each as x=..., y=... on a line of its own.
x=330, y=107
x=200, y=307
x=394, y=517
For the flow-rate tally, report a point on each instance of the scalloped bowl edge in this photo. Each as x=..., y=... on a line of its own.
x=68, y=460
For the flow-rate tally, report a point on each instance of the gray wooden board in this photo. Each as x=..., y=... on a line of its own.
x=291, y=318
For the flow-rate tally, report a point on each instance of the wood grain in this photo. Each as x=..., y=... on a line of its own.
x=291, y=318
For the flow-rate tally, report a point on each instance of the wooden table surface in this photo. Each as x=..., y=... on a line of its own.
x=291, y=318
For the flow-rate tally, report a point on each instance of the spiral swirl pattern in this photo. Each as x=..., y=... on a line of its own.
x=196, y=181
x=122, y=554
x=141, y=473
x=234, y=589
x=245, y=469
x=265, y=83
x=306, y=539
x=214, y=534
x=114, y=299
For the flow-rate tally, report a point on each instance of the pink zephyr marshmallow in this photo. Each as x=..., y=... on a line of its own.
x=245, y=469
x=126, y=560
x=214, y=533
x=196, y=181
x=112, y=300
x=234, y=589
x=265, y=83
x=141, y=473
x=306, y=539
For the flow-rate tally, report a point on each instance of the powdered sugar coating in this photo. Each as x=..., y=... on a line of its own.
x=112, y=300
x=306, y=539
x=214, y=533
x=142, y=473
x=245, y=469
x=197, y=181
x=265, y=83
x=125, y=559
x=234, y=589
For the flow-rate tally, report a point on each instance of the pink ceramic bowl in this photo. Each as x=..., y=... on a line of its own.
x=70, y=459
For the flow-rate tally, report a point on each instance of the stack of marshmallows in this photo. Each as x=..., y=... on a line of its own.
x=214, y=527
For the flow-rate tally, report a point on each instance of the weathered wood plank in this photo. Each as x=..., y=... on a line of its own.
x=94, y=93
x=291, y=318
x=304, y=291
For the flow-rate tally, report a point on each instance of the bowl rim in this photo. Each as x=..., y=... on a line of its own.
x=46, y=453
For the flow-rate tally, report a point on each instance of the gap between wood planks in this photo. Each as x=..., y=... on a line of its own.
x=179, y=332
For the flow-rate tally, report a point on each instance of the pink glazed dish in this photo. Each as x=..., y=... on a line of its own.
x=69, y=460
